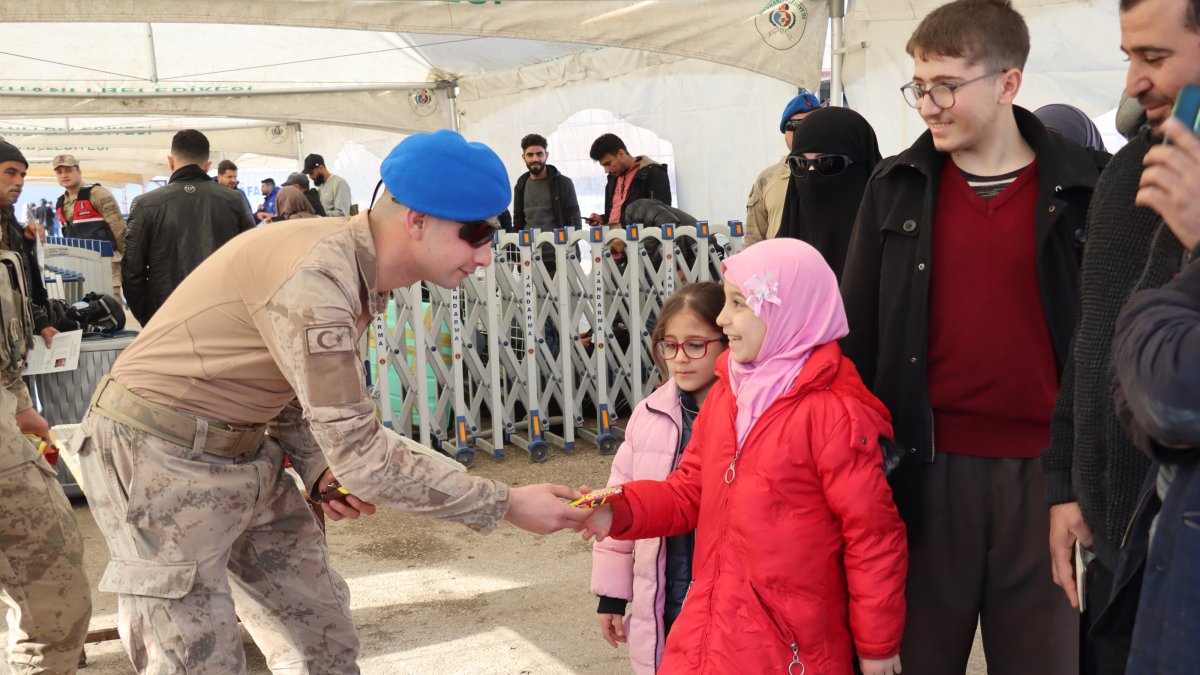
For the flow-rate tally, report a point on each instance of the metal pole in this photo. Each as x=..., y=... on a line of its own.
x=837, y=16
x=452, y=98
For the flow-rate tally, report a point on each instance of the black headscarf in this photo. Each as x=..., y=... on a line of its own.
x=820, y=209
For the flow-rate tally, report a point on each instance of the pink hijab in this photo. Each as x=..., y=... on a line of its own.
x=790, y=287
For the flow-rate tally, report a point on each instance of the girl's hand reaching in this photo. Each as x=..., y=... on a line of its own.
x=599, y=522
x=881, y=666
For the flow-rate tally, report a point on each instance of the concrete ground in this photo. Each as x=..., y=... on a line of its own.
x=434, y=597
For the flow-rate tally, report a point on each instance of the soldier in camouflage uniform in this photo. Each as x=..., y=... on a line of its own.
x=41, y=554
x=254, y=357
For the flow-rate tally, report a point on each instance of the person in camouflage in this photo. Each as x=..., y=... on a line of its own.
x=41, y=553
x=252, y=358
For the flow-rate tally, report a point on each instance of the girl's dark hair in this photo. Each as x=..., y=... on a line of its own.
x=704, y=299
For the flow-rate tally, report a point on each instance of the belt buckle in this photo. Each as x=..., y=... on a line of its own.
x=248, y=438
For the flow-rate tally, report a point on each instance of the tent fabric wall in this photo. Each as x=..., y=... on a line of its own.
x=723, y=122
x=746, y=34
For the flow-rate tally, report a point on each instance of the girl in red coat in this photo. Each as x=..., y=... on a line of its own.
x=800, y=555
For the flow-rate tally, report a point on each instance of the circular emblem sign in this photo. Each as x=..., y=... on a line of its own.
x=423, y=101
x=781, y=23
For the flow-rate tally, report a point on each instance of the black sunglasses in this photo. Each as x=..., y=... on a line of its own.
x=826, y=165
x=477, y=233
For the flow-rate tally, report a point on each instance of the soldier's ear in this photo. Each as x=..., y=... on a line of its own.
x=416, y=224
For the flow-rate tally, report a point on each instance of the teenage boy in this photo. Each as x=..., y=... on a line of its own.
x=961, y=289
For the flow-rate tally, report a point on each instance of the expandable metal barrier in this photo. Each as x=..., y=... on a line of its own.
x=519, y=366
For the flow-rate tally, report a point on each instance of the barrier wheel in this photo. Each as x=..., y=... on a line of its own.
x=608, y=445
x=465, y=457
x=539, y=451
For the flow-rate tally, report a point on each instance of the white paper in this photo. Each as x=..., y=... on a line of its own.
x=61, y=355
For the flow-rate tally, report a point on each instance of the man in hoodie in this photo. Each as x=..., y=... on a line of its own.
x=630, y=178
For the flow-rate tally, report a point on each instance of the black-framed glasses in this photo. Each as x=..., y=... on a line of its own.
x=826, y=165
x=942, y=95
x=693, y=349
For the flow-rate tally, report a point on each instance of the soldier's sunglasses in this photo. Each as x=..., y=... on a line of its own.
x=477, y=233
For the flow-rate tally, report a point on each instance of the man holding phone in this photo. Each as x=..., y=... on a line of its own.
x=1093, y=470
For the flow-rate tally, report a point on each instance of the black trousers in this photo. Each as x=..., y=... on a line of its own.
x=983, y=560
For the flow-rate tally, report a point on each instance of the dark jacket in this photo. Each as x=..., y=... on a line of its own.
x=33, y=273
x=314, y=198
x=1156, y=355
x=650, y=182
x=886, y=281
x=562, y=198
x=172, y=230
x=1091, y=459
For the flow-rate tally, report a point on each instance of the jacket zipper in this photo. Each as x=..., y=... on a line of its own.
x=932, y=436
x=784, y=635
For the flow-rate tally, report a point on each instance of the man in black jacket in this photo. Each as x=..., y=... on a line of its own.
x=960, y=289
x=1093, y=469
x=174, y=228
x=1156, y=357
x=629, y=179
x=549, y=201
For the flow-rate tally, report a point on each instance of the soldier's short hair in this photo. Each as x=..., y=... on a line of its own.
x=226, y=166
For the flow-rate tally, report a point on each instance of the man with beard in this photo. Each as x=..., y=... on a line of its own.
x=543, y=198
x=42, y=585
x=1093, y=468
x=549, y=200
x=335, y=191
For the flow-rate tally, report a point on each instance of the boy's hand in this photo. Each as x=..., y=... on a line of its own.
x=881, y=666
x=612, y=628
x=599, y=520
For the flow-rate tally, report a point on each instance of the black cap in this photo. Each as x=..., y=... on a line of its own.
x=297, y=179
x=10, y=153
x=313, y=161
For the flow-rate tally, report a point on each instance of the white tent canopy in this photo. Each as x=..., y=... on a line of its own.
x=274, y=81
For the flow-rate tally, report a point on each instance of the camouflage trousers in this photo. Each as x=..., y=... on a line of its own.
x=41, y=559
x=192, y=537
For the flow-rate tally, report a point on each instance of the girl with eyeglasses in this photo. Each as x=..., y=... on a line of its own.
x=834, y=151
x=800, y=554
x=653, y=575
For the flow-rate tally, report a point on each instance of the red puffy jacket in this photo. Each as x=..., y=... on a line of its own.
x=802, y=551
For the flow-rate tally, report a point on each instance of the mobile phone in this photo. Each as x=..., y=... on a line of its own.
x=598, y=497
x=1187, y=107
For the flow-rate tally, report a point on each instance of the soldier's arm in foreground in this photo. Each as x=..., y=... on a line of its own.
x=309, y=326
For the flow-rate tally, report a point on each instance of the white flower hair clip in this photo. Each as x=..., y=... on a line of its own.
x=759, y=289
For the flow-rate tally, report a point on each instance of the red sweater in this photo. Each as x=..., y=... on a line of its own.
x=993, y=377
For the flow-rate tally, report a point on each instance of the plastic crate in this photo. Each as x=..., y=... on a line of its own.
x=63, y=397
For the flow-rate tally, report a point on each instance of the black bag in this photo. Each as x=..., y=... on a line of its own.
x=95, y=313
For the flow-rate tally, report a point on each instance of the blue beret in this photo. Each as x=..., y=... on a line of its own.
x=802, y=103
x=442, y=175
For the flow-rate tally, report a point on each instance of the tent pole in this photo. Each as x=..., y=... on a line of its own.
x=837, y=15
x=452, y=98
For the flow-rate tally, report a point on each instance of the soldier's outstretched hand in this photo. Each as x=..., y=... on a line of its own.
x=540, y=508
x=337, y=502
